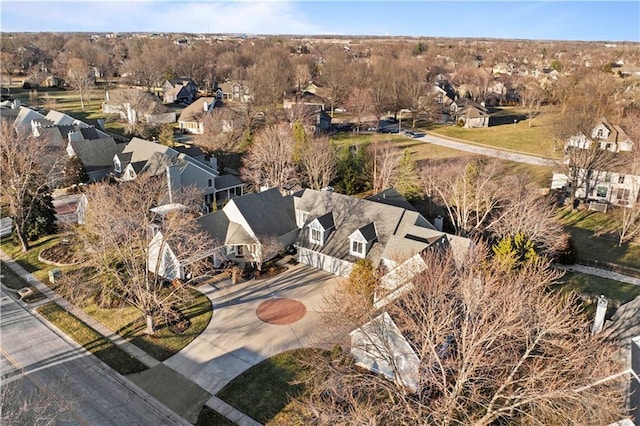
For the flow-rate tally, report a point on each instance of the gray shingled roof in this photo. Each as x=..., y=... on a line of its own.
x=227, y=181
x=95, y=154
x=326, y=221
x=267, y=213
x=216, y=225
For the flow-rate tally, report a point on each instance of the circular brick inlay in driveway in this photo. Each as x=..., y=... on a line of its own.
x=281, y=311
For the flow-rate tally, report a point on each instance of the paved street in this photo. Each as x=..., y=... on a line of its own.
x=489, y=152
x=236, y=339
x=62, y=376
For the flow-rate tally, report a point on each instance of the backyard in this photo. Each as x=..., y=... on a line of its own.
x=536, y=139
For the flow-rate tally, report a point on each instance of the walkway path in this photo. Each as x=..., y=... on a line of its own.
x=130, y=348
x=598, y=272
x=488, y=151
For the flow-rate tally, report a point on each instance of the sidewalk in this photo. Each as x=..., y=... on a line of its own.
x=598, y=272
x=129, y=348
x=214, y=403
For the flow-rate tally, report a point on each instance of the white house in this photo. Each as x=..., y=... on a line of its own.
x=616, y=183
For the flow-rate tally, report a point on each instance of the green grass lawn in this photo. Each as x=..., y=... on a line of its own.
x=618, y=293
x=264, y=391
x=594, y=237
x=126, y=321
x=90, y=339
x=29, y=260
x=130, y=323
x=537, y=139
x=209, y=417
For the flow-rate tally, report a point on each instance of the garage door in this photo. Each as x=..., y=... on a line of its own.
x=323, y=262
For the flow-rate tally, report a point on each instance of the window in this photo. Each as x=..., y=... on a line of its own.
x=600, y=133
x=239, y=251
x=116, y=165
x=607, y=177
x=623, y=194
x=316, y=236
x=357, y=248
x=210, y=183
x=589, y=174
x=620, y=178
x=601, y=191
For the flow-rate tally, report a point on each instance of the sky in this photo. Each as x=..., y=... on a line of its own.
x=541, y=20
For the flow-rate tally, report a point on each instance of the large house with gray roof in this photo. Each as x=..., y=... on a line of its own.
x=182, y=166
x=330, y=231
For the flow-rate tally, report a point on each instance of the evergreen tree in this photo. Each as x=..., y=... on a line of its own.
x=74, y=172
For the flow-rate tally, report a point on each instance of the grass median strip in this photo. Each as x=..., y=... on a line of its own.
x=90, y=339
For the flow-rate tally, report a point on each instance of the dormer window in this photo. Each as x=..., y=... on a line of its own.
x=316, y=236
x=361, y=240
x=357, y=249
x=116, y=165
x=320, y=228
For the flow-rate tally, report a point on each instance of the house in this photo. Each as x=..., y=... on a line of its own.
x=93, y=149
x=379, y=346
x=179, y=90
x=330, y=232
x=193, y=116
x=135, y=105
x=616, y=181
x=309, y=110
x=473, y=117
x=336, y=230
x=182, y=167
x=236, y=91
x=248, y=229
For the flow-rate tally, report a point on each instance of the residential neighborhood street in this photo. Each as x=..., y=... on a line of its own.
x=61, y=376
x=489, y=152
x=236, y=339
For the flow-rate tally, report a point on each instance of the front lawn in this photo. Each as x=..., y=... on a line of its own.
x=128, y=322
x=265, y=391
x=91, y=340
x=29, y=260
x=519, y=137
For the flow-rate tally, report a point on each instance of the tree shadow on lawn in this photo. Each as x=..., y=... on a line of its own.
x=165, y=343
x=501, y=120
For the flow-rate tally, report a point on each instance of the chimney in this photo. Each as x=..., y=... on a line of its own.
x=205, y=106
x=438, y=222
x=601, y=310
x=213, y=162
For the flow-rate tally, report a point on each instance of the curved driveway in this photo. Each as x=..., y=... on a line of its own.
x=489, y=152
x=236, y=339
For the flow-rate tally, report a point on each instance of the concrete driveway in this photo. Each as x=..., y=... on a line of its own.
x=236, y=339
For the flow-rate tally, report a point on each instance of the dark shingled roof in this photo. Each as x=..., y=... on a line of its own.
x=326, y=221
x=268, y=212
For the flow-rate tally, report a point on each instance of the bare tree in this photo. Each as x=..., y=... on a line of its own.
x=125, y=256
x=318, y=162
x=223, y=129
x=271, y=77
x=359, y=104
x=269, y=160
x=79, y=77
x=469, y=193
x=629, y=216
x=386, y=160
x=491, y=347
x=30, y=168
x=334, y=76
x=532, y=95
x=146, y=64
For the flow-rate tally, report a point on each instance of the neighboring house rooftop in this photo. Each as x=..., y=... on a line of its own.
x=196, y=111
